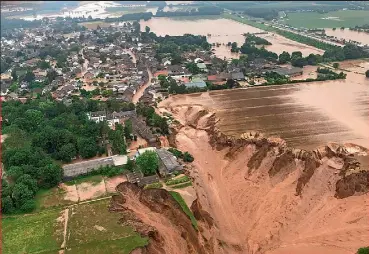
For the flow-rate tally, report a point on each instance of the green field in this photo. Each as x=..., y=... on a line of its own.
x=184, y=207
x=314, y=20
x=91, y=228
x=32, y=233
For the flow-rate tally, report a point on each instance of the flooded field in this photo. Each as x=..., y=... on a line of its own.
x=306, y=115
x=221, y=33
x=349, y=35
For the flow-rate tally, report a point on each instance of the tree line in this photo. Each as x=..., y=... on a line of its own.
x=42, y=134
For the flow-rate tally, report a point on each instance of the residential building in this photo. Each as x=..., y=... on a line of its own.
x=199, y=84
x=168, y=162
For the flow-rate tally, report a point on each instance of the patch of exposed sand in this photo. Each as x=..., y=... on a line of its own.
x=71, y=192
x=91, y=190
x=112, y=183
x=259, y=213
x=65, y=219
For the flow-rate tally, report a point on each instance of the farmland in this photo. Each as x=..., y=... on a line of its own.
x=90, y=227
x=328, y=20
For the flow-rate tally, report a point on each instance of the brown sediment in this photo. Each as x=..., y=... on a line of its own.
x=254, y=194
x=155, y=214
x=246, y=186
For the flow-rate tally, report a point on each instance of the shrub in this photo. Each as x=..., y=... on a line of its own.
x=187, y=157
x=176, y=152
x=364, y=250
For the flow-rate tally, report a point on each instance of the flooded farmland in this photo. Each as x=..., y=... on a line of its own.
x=349, y=35
x=306, y=115
x=220, y=33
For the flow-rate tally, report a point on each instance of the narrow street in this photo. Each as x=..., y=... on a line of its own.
x=140, y=91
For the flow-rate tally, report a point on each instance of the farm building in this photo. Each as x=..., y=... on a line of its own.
x=84, y=167
x=291, y=72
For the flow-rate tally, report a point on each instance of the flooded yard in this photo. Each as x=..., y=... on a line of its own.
x=224, y=31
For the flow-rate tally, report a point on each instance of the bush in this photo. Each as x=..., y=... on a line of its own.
x=187, y=157
x=364, y=250
x=367, y=73
x=176, y=152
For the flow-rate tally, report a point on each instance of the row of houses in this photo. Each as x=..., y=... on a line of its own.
x=111, y=117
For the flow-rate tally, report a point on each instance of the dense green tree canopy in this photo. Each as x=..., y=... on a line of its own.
x=148, y=162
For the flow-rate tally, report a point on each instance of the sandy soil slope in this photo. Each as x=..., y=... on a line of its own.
x=267, y=198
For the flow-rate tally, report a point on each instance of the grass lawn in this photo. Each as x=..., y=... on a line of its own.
x=32, y=233
x=348, y=18
x=185, y=208
x=118, y=246
x=51, y=198
x=92, y=224
x=94, y=179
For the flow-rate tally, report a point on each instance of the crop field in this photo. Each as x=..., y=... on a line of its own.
x=90, y=228
x=348, y=18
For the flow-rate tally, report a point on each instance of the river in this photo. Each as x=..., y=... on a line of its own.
x=223, y=31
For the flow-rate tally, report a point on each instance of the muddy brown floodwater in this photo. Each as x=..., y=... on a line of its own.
x=306, y=115
x=224, y=31
x=349, y=35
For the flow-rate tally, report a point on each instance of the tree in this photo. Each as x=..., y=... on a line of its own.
x=43, y=65
x=30, y=182
x=336, y=65
x=67, y=152
x=87, y=147
x=128, y=129
x=367, y=73
x=7, y=205
x=21, y=194
x=14, y=75
x=148, y=162
x=147, y=29
x=14, y=172
x=296, y=54
x=50, y=175
x=29, y=77
x=193, y=68
x=284, y=57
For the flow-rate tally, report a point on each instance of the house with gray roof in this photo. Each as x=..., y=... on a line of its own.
x=200, y=84
x=168, y=162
